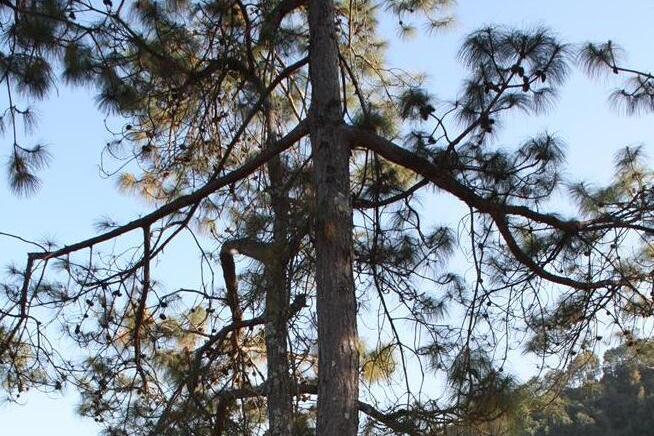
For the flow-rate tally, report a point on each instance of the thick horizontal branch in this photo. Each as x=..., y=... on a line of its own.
x=146, y=221
x=445, y=181
x=186, y=200
x=498, y=211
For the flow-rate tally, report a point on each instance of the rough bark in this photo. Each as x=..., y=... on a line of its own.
x=280, y=405
x=279, y=384
x=338, y=388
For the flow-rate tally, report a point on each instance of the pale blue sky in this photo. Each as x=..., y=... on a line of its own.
x=74, y=196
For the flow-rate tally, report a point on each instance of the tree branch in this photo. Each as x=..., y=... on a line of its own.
x=274, y=18
x=498, y=211
x=362, y=203
x=191, y=381
x=186, y=200
x=312, y=388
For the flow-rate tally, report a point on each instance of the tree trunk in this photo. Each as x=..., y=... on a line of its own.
x=279, y=395
x=338, y=381
x=279, y=392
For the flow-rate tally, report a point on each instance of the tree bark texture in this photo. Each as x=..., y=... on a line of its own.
x=279, y=385
x=338, y=381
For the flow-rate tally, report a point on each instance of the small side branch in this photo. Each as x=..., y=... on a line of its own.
x=361, y=203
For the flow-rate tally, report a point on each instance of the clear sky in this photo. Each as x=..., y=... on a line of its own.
x=74, y=196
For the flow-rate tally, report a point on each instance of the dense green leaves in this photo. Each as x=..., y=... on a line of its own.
x=616, y=400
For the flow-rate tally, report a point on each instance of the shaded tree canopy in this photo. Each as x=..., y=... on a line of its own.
x=588, y=397
x=275, y=134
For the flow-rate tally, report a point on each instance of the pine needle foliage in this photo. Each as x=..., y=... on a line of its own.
x=217, y=113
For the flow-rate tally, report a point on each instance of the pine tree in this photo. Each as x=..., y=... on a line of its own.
x=584, y=398
x=275, y=131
